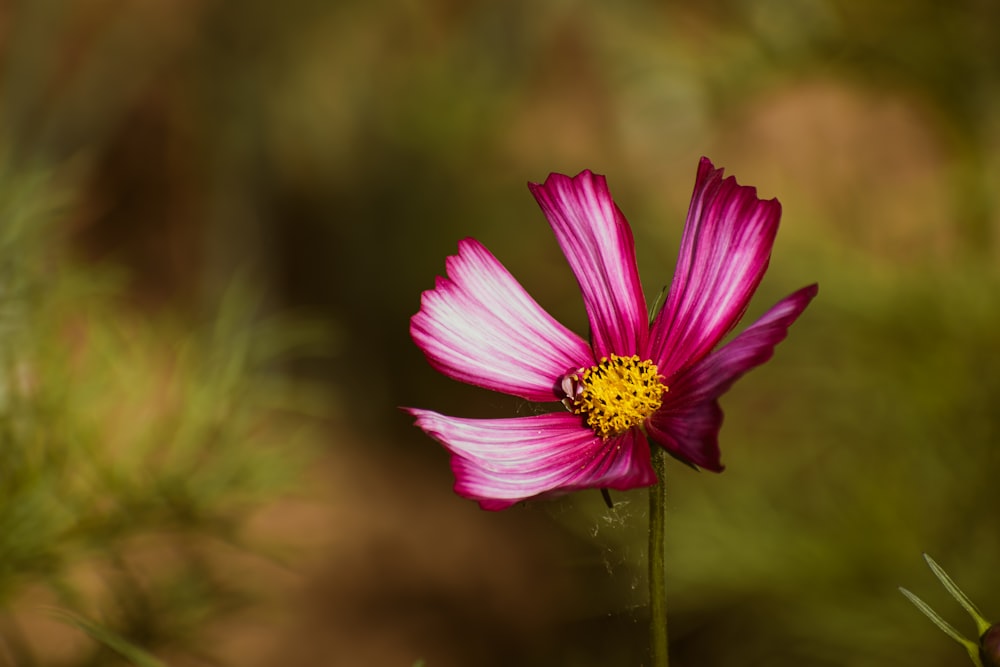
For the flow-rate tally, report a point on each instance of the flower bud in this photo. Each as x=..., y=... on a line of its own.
x=989, y=646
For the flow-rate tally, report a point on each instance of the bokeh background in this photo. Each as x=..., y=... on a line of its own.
x=217, y=216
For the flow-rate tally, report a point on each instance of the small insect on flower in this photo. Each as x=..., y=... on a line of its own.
x=635, y=378
x=985, y=652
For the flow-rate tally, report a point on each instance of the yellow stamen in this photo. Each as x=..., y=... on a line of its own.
x=615, y=395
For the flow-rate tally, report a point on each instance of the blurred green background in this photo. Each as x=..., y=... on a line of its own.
x=216, y=218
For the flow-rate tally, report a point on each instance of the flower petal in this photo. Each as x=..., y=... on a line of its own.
x=500, y=462
x=724, y=252
x=690, y=433
x=480, y=326
x=688, y=423
x=597, y=242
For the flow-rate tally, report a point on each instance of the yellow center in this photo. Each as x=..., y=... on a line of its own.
x=616, y=394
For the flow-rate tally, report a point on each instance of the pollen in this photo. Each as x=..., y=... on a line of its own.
x=617, y=394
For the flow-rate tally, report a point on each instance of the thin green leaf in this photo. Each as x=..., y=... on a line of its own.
x=654, y=310
x=945, y=627
x=982, y=625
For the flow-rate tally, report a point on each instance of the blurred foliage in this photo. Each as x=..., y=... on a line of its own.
x=333, y=153
x=124, y=435
x=136, y=445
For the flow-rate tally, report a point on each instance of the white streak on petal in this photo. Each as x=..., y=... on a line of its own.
x=724, y=253
x=480, y=326
x=597, y=242
x=499, y=462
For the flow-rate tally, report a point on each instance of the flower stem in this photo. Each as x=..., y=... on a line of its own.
x=657, y=568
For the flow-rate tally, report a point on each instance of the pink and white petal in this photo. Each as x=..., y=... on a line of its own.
x=597, y=242
x=688, y=423
x=724, y=252
x=500, y=462
x=480, y=326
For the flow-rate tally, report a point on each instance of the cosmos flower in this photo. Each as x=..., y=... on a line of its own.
x=635, y=381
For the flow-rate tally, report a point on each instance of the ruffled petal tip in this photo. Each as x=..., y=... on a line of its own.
x=479, y=326
x=597, y=242
x=725, y=250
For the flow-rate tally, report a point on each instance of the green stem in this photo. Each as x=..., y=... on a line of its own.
x=657, y=567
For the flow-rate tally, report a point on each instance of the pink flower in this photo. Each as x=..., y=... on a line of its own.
x=635, y=379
